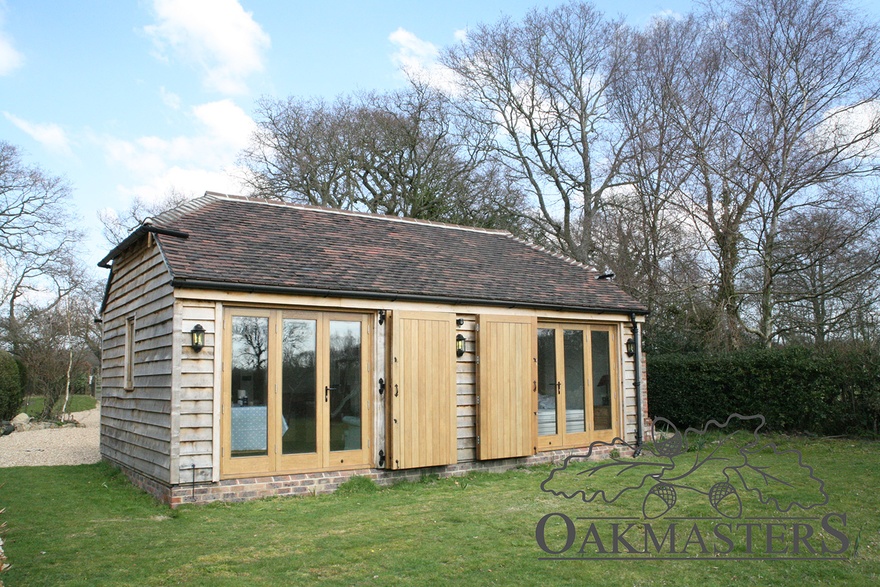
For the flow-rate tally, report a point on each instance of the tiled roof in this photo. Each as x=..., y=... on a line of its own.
x=245, y=244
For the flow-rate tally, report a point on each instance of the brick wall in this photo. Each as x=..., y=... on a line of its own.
x=232, y=490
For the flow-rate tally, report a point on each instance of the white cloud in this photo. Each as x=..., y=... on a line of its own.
x=187, y=163
x=50, y=135
x=10, y=58
x=419, y=59
x=670, y=14
x=217, y=36
x=852, y=124
x=170, y=99
x=184, y=180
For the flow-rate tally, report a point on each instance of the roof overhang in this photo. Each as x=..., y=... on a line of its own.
x=392, y=297
x=134, y=237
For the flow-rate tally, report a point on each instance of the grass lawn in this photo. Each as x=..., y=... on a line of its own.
x=87, y=526
x=33, y=404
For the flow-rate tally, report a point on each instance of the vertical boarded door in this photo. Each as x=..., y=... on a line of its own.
x=505, y=389
x=422, y=391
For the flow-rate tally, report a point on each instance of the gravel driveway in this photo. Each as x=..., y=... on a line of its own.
x=54, y=446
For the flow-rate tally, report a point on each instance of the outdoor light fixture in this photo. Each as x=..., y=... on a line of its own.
x=459, y=345
x=630, y=347
x=198, y=337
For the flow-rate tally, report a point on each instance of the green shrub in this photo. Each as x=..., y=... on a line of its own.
x=834, y=390
x=10, y=387
x=357, y=485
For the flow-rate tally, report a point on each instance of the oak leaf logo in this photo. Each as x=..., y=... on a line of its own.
x=731, y=464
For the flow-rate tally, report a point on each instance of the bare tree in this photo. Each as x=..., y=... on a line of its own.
x=37, y=234
x=702, y=159
x=118, y=225
x=541, y=88
x=642, y=233
x=57, y=340
x=810, y=72
x=717, y=192
x=34, y=217
x=402, y=153
x=827, y=269
x=300, y=152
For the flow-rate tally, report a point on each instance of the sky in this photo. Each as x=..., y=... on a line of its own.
x=139, y=97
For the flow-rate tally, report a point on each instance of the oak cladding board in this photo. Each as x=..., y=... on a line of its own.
x=466, y=391
x=136, y=423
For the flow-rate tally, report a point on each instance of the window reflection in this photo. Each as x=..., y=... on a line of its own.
x=601, y=357
x=298, y=388
x=575, y=421
x=546, y=382
x=345, y=385
x=250, y=346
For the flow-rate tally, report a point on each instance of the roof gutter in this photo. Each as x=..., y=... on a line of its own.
x=238, y=287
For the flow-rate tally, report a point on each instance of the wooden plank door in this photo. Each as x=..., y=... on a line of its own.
x=506, y=393
x=422, y=393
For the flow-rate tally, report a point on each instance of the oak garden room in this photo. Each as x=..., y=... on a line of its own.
x=255, y=348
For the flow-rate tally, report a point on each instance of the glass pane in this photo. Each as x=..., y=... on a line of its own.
x=601, y=355
x=298, y=387
x=250, y=340
x=345, y=385
x=546, y=381
x=573, y=341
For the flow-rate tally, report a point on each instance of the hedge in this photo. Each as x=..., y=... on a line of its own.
x=828, y=391
x=10, y=387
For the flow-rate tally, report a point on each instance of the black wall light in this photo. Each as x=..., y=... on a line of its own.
x=459, y=345
x=198, y=337
x=630, y=347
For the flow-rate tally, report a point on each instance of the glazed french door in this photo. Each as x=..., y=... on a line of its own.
x=295, y=391
x=577, y=385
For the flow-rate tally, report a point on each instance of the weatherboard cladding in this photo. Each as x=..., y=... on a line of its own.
x=239, y=243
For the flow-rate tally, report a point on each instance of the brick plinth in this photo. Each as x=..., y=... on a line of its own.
x=244, y=489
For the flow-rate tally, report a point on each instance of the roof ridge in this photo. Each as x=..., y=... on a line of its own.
x=555, y=254
x=182, y=209
x=357, y=213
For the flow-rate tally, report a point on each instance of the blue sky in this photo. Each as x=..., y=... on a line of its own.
x=142, y=96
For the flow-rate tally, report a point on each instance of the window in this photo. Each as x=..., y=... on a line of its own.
x=577, y=385
x=128, y=369
x=295, y=394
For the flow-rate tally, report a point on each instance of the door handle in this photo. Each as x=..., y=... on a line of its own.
x=558, y=388
x=327, y=391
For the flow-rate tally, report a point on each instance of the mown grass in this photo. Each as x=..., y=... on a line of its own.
x=87, y=525
x=33, y=404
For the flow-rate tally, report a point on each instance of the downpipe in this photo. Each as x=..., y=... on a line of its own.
x=637, y=357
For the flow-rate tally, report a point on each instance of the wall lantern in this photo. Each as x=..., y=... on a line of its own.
x=198, y=337
x=459, y=345
x=630, y=347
